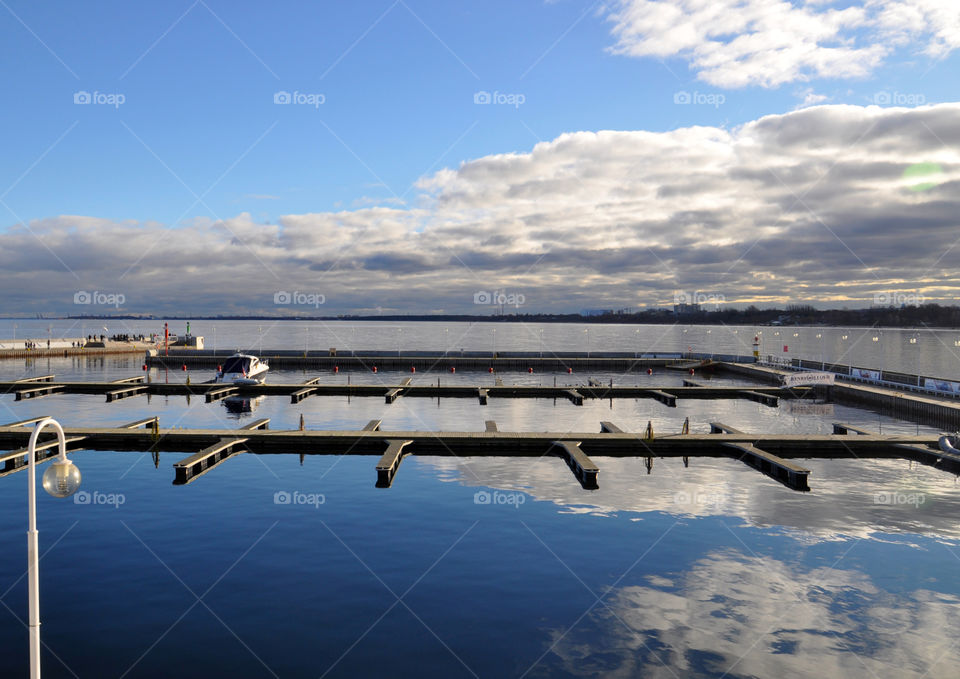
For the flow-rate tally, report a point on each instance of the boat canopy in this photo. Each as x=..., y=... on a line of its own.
x=237, y=364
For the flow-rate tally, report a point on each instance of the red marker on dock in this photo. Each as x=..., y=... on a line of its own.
x=336, y=368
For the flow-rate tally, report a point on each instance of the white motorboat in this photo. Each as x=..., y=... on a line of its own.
x=243, y=369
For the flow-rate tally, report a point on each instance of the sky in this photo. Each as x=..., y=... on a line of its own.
x=414, y=156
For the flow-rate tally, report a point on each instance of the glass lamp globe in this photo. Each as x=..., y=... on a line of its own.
x=61, y=479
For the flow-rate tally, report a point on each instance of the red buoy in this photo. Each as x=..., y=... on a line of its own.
x=649, y=371
x=529, y=370
x=184, y=367
x=569, y=370
x=336, y=368
x=453, y=369
x=691, y=371
x=374, y=368
x=491, y=369
x=144, y=366
x=413, y=369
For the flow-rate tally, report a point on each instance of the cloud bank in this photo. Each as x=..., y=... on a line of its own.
x=736, y=43
x=829, y=203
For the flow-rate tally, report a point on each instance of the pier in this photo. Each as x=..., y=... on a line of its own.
x=297, y=391
x=769, y=453
x=441, y=360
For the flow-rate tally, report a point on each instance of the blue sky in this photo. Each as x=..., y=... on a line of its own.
x=198, y=135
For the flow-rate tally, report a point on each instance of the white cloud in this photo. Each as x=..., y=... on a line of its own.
x=736, y=43
x=809, y=205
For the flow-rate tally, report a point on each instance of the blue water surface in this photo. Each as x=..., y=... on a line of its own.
x=273, y=566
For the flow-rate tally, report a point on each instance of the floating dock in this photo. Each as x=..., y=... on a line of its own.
x=439, y=360
x=768, y=453
x=297, y=391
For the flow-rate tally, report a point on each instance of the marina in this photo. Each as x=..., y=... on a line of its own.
x=314, y=438
x=769, y=453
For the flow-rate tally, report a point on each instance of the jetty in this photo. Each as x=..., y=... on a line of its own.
x=775, y=455
x=298, y=391
x=767, y=452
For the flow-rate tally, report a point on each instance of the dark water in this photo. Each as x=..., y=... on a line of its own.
x=708, y=571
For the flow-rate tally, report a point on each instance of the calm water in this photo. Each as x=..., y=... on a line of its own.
x=708, y=571
x=935, y=353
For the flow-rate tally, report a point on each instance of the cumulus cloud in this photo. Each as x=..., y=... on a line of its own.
x=736, y=43
x=816, y=204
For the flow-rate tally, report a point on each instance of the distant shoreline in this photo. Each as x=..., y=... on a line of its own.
x=932, y=316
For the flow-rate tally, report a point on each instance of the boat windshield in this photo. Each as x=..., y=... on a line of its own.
x=237, y=364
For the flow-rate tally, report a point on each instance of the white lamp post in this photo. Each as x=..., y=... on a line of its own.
x=62, y=479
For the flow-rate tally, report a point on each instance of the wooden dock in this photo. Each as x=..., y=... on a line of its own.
x=297, y=391
x=769, y=453
x=439, y=360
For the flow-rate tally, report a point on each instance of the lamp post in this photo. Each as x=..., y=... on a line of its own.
x=62, y=479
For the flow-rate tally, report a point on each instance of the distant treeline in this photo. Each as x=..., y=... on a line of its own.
x=932, y=315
